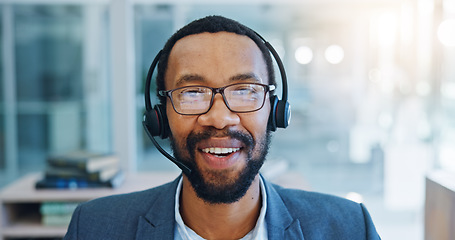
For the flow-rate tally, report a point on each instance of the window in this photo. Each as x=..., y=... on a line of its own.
x=60, y=85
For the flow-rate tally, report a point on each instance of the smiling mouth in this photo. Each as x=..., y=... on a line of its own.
x=220, y=152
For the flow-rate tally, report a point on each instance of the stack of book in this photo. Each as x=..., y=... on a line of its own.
x=57, y=213
x=81, y=170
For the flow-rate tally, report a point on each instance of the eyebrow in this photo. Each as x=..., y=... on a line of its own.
x=245, y=76
x=189, y=78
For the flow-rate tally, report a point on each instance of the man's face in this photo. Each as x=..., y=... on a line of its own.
x=224, y=149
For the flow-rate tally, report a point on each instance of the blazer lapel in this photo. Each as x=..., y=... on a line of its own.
x=159, y=222
x=280, y=223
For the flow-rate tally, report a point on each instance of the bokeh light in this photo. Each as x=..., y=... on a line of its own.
x=303, y=55
x=446, y=32
x=334, y=54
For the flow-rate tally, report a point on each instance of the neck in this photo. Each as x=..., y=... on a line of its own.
x=220, y=221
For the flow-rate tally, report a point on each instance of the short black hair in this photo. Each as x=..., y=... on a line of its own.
x=211, y=24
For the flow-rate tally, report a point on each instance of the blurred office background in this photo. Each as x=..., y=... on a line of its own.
x=372, y=88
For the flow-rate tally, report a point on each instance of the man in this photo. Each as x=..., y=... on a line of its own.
x=223, y=139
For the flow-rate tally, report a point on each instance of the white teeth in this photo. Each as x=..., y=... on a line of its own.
x=220, y=150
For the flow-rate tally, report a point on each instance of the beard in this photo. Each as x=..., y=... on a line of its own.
x=215, y=186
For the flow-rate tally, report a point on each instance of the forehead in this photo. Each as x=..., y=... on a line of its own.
x=217, y=56
x=226, y=38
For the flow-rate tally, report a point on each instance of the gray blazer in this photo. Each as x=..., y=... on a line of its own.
x=291, y=214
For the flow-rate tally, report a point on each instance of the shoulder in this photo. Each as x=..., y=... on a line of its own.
x=118, y=216
x=313, y=200
x=320, y=214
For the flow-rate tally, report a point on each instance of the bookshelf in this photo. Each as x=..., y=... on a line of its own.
x=20, y=202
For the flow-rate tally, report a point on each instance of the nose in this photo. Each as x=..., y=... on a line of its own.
x=219, y=116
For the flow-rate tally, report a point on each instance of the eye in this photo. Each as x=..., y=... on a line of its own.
x=243, y=90
x=194, y=92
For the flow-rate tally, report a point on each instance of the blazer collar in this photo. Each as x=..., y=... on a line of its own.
x=280, y=223
x=159, y=221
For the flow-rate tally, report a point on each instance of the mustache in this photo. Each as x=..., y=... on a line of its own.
x=194, y=138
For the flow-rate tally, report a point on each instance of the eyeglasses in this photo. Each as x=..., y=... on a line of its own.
x=238, y=97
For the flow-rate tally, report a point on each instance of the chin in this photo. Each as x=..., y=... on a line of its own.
x=224, y=186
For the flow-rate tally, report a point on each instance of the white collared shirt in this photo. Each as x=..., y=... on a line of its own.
x=183, y=232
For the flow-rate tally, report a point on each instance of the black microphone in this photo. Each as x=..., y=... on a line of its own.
x=186, y=170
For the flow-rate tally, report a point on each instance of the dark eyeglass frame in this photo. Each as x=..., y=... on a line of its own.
x=220, y=90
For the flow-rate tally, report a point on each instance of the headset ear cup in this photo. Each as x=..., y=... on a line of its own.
x=283, y=114
x=272, y=117
x=151, y=123
x=161, y=112
x=162, y=124
x=155, y=122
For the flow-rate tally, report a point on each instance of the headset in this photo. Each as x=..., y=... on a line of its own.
x=155, y=120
